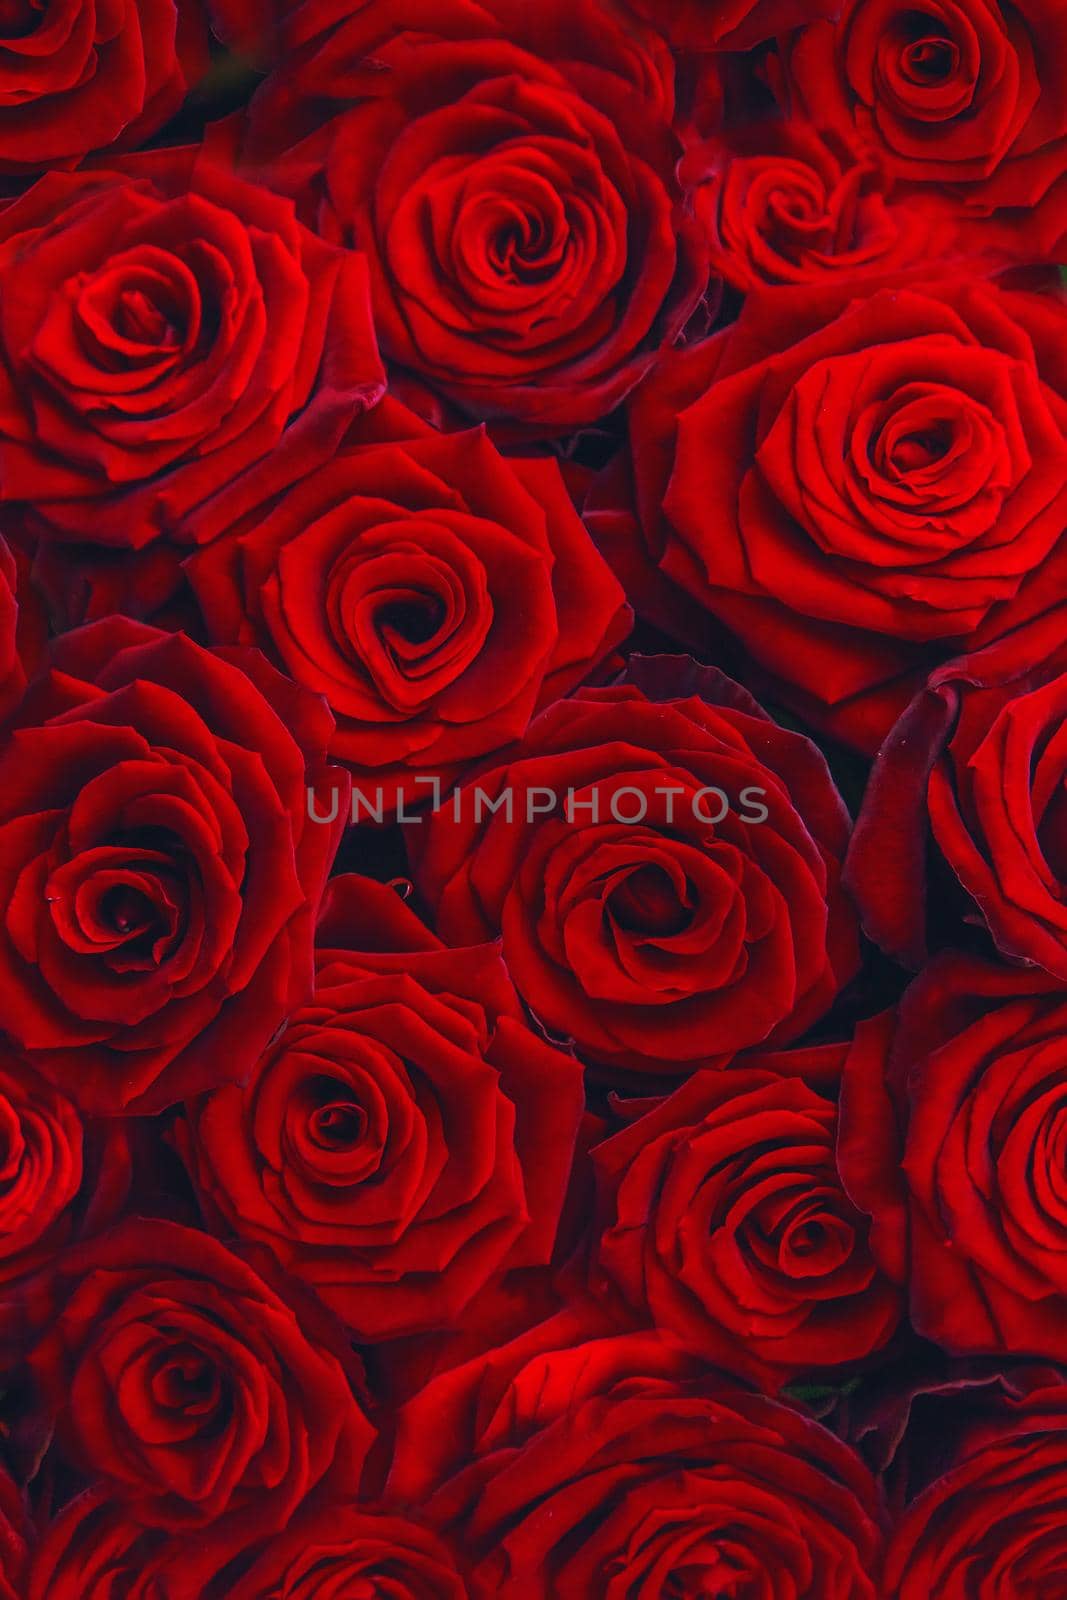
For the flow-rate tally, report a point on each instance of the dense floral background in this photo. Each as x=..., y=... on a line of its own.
x=533, y=800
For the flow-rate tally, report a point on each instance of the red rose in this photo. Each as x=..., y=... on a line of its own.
x=93, y=73
x=510, y=172
x=160, y=875
x=408, y=1135
x=976, y=760
x=784, y=204
x=723, y=1220
x=965, y=95
x=94, y=1551
x=667, y=885
x=353, y=1550
x=995, y=1522
x=853, y=485
x=611, y=1469
x=434, y=592
x=953, y=1126
x=202, y=1398
x=59, y=1179
x=163, y=327
x=733, y=25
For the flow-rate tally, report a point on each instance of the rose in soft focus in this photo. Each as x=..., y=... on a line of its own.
x=611, y=1467
x=953, y=1129
x=996, y=1521
x=510, y=173
x=977, y=765
x=436, y=593
x=200, y=1392
x=165, y=325
x=408, y=1135
x=853, y=484
x=663, y=863
x=89, y=74
x=735, y=25
x=722, y=1219
x=965, y=97
x=160, y=874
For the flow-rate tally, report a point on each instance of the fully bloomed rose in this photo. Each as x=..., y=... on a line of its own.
x=86, y=74
x=436, y=593
x=722, y=1219
x=330, y=1550
x=162, y=327
x=510, y=172
x=953, y=1130
x=977, y=766
x=665, y=874
x=965, y=95
x=201, y=1392
x=406, y=1138
x=995, y=1523
x=160, y=876
x=854, y=484
x=612, y=1467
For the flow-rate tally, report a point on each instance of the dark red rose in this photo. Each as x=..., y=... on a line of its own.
x=996, y=1522
x=407, y=1136
x=667, y=885
x=733, y=25
x=723, y=1220
x=88, y=74
x=436, y=593
x=783, y=204
x=953, y=1130
x=160, y=875
x=510, y=172
x=14, y=1540
x=59, y=1178
x=353, y=1550
x=13, y=582
x=856, y=484
x=964, y=95
x=611, y=1469
x=162, y=327
x=978, y=762
x=94, y=1550
x=202, y=1393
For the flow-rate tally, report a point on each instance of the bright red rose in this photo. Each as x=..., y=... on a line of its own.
x=510, y=172
x=436, y=593
x=611, y=1468
x=160, y=875
x=784, y=204
x=853, y=484
x=407, y=1137
x=162, y=327
x=953, y=1131
x=88, y=74
x=667, y=882
x=204, y=1394
x=966, y=95
x=722, y=1219
x=977, y=761
x=995, y=1522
